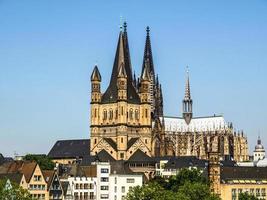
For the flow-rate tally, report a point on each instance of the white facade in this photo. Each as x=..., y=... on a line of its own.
x=120, y=184
x=103, y=171
x=83, y=188
x=213, y=123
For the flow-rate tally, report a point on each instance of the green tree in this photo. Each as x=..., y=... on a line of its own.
x=188, y=184
x=246, y=196
x=15, y=192
x=43, y=161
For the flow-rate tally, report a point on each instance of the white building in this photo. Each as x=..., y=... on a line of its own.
x=120, y=184
x=259, y=152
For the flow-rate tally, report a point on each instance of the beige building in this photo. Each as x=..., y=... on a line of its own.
x=229, y=181
x=122, y=116
x=32, y=180
x=129, y=116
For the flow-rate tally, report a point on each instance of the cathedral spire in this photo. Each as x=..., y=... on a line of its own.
x=96, y=76
x=187, y=102
x=187, y=86
x=148, y=53
x=122, y=57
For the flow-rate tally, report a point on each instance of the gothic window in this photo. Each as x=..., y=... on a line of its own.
x=121, y=140
x=136, y=115
x=105, y=115
x=110, y=114
x=146, y=113
x=95, y=113
x=131, y=114
x=121, y=110
x=116, y=114
x=95, y=141
x=146, y=141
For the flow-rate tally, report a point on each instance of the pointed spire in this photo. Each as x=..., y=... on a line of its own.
x=122, y=57
x=134, y=81
x=96, y=76
x=122, y=72
x=148, y=53
x=187, y=86
x=145, y=74
x=259, y=140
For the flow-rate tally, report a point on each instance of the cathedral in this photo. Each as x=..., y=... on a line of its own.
x=128, y=117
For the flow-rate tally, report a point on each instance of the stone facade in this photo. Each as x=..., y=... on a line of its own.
x=129, y=116
x=121, y=117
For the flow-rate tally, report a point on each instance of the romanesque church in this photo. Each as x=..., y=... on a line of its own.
x=128, y=119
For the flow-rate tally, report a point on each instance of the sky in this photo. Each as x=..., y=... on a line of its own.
x=49, y=48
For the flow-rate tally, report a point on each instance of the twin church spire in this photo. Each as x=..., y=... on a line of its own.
x=122, y=66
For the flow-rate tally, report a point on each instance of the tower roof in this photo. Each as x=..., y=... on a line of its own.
x=122, y=71
x=122, y=56
x=96, y=76
x=145, y=74
x=148, y=53
x=187, y=87
x=259, y=147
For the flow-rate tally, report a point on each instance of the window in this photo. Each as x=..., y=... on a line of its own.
x=263, y=192
x=104, y=179
x=146, y=141
x=104, y=187
x=115, y=189
x=37, y=178
x=77, y=186
x=91, y=195
x=115, y=180
x=122, y=197
x=121, y=140
x=130, y=180
x=95, y=113
x=110, y=114
x=95, y=141
x=91, y=186
x=104, y=196
x=122, y=155
x=104, y=170
x=123, y=189
x=146, y=113
x=131, y=114
x=136, y=115
x=105, y=115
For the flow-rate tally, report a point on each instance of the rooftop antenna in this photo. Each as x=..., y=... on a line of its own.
x=121, y=23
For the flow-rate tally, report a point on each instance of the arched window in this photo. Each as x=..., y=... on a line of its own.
x=136, y=115
x=110, y=114
x=105, y=115
x=131, y=114
x=95, y=113
x=116, y=114
x=146, y=113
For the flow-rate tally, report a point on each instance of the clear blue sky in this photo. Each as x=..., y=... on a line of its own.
x=48, y=50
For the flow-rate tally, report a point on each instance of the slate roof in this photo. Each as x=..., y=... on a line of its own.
x=70, y=149
x=64, y=185
x=141, y=157
x=104, y=156
x=48, y=176
x=253, y=173
x=120, y=167
x=122, y=55
x=2, y=159
x=184, y=162
x=131, y=142
x=111, y=143
x=14, y=177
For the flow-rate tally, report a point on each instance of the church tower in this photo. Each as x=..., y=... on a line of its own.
x=187, y=102
x=121, y=119
x=214, y=172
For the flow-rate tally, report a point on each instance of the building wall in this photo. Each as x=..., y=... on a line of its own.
x=103, y=171
x=82, y=188
x=231, y=191
x=37, y=185
x=119, y=185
